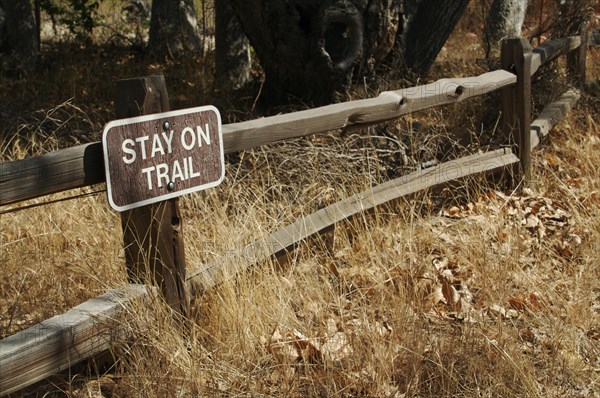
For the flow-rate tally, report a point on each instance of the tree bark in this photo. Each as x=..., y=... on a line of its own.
x=21, y=40
x=428, y=31
x=284, y=38
x=504, y=20
x=173, y=28
x=232, y=49
x=310, y=50
x=2, y=27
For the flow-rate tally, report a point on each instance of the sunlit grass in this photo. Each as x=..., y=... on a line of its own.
x=368, y=311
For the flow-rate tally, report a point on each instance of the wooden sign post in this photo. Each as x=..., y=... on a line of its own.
x=576, y=60
x=515, y=57
x=153, y=234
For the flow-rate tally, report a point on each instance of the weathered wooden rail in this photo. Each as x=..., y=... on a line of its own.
x=82, y=165
x=88, y=329
x=65, y=340
x=285, y=238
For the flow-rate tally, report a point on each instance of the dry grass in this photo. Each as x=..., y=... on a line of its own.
x=463, y=291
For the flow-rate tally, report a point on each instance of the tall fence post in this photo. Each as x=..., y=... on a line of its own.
x=515, y=57
x=576, y=59
x=153, y=237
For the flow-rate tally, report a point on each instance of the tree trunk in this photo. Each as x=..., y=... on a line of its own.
x=21, y=40
x=2, y=27
x=232, y=49
x=505, y=20
x=173, y=28
x=310, y=49
x=427, y=32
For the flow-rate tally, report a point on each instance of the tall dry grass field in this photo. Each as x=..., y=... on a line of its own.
x=462, y=291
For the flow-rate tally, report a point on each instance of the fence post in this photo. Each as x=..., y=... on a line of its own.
x=576, y=67
x=152, y=234
x=515, y=57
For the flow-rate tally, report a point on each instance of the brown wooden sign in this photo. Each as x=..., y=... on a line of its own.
x=152, y=158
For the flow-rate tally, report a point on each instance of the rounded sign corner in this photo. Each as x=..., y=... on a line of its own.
x=113, y=205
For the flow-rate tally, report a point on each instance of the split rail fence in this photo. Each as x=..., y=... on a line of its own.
x=89, y=328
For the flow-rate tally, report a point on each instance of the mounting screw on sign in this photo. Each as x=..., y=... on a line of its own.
x=156, y=157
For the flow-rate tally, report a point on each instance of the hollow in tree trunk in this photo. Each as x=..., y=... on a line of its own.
x=310, y=50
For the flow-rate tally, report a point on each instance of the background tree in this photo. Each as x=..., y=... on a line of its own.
x=78, y=16
x=173, y=28
x=232, y=49
x=427, y=27
x=505, y=20
x=311, y=49
x=20, y=35
x=2, y=27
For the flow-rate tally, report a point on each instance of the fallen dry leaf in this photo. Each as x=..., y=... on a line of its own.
x=564, y=250
x=293, y=347
x=528, y=335
x=307, y=348
x=383, y=328
x=436, y=296
x=551, y=159
x=440, y=263
x=337, y=348
x=450, y=294
x=517, y=303
x=453, y=211
x=282, y=374
x=283, y=348
x=331, y=326
x=531, y=221
x=498, y=310
x=527, y=302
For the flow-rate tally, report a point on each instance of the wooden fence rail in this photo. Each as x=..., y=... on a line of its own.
x=548, y=51
x=83, y=165
x=285, y=238
x=551, y=115
x=62, y=341
x=48, y=348
x=65, y=340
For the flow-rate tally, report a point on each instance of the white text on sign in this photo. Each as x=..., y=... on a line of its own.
x=146, y=146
